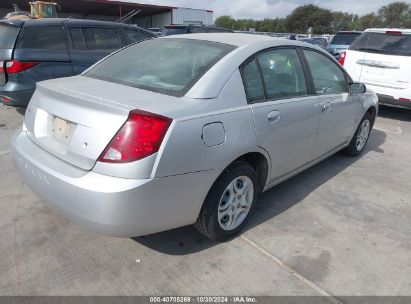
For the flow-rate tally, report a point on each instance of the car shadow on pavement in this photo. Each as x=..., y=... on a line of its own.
x=187, y=240
x=395, y=113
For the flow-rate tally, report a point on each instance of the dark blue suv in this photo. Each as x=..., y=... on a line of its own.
x=36, y=50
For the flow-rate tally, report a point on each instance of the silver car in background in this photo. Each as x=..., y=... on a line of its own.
x=187, y=130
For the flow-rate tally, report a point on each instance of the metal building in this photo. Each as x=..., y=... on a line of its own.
x=148, y=15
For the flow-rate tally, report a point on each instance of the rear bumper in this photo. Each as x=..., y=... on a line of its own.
x=391, y=101
x=110, y=205
x=18, y=97
x=391, y=96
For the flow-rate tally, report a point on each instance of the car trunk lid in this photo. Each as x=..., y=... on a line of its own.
x=75, y=118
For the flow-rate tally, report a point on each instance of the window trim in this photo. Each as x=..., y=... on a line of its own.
x=347, y=77
x=255, y=56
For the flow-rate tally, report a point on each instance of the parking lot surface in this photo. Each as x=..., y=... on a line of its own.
x=342, y=228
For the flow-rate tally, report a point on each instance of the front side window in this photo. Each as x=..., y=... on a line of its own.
x=42, y=37
x=327, y=76
x=283, y=74
x=102, y=38
x=137, y=36
x=168, y=66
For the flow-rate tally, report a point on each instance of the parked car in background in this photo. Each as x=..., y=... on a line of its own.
x=381, y=58
x=190, y=129
x=323, y=42
x=40, y=49
x=341, y=42
x=175, y=29
x=312, y=41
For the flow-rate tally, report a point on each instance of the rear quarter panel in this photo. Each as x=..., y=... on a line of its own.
x=185, y=150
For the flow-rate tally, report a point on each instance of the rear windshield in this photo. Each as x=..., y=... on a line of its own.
x=168, y=66
x=382, y=43
x=8, y=35
x=344, y=38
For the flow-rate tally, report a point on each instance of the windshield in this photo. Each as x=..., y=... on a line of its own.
x=8, y=35
x=382, y=43
x=168, y=66
x=344, y=38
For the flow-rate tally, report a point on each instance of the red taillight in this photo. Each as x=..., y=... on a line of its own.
x=139, y=137
x=404, y=99
x=15, y=66
x=342, y=58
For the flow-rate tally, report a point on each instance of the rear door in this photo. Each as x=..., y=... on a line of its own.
x=285, y=116
x=46, y=45
x=381, y=59
x=338, y=108
x=90, y=44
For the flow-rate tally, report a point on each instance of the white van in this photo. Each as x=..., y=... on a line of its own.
x=381, y=59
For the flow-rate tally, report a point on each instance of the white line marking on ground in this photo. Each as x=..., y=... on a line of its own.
x=5, y=152
x=292, y=272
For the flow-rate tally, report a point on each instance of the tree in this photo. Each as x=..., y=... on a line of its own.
x=396, y=14
x=225, y=21
x=369, y=21
x=306, y=16
x=342, y=21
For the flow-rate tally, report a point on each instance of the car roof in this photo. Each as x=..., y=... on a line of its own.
x=69, y=21
x=235, y=39
x=383, y=30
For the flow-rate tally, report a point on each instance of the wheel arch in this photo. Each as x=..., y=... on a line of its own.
x=259, y=162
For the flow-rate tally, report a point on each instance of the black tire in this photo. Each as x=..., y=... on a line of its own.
x=208, y=222
x=352, y=149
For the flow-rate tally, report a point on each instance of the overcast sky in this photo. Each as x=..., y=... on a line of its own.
x=260, y=9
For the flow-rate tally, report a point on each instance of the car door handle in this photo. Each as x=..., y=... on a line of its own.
x=274, y=117
x=327, y=107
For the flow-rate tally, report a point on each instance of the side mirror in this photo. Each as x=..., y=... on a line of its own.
x=358, y=88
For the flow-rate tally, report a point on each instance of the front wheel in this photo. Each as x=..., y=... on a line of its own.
x=229, y=203
x=361, y=136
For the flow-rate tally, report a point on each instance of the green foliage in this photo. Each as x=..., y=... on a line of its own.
x=319, y=20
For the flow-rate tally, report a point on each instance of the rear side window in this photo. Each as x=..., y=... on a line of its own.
x=327, y=76
x=381, y=43
x=283, y=74
x=8, y=35
x=344, y=38
x=102, y=38
x=77, y=39
x=253, y=82
x=137, y=36
x=42, y=37
x=168, y=66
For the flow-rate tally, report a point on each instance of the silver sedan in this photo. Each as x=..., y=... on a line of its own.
x=187, y=130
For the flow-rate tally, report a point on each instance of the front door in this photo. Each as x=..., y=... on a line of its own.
x=285, y=116
x=337, y=106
